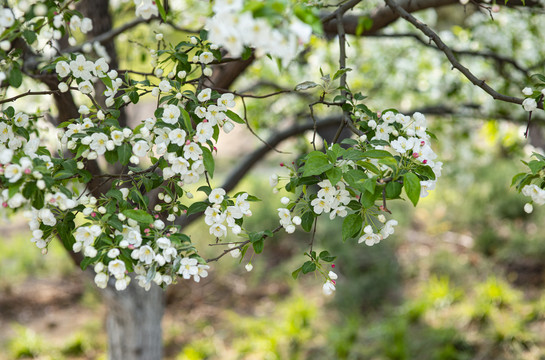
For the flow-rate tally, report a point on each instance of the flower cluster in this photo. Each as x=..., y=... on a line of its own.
x=329, y=286
x=331, y=199
x=287, y=222
x=226, y=211
x=410, y=139
x=371, y=238
x=536, y=193
x=530, y=102
x=120, y=233
x=145, y=8
x=234, y=29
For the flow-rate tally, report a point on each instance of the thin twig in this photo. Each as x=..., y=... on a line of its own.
x=28, y=93
x=539, y=101
x=255, y=134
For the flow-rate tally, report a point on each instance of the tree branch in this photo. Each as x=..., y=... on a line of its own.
x=28, y=93
x=451, y=57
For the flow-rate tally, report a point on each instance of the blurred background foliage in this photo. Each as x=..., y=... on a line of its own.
x=462, y=278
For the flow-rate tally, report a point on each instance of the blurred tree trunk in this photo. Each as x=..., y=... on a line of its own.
x=134, y=322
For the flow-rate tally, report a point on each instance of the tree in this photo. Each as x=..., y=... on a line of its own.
x=118, y=195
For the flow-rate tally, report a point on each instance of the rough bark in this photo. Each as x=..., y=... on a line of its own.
x=134, y=322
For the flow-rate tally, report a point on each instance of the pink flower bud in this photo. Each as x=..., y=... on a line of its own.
x=131, y=246
x=93, y=214
x=422, y=143
x=415, y=155
x=27, y=171
x=333, y=265
x=281, y=164
x=5, y=204
x=187, y=142
x=157, y=216
x=168, y=234
x=205, y=121
x=425, y=162
x=334, y=282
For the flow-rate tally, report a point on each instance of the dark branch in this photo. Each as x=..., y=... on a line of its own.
x=451, y=57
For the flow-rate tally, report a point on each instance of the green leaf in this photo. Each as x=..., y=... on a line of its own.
x=124, y=153
x=334, y=175
x=139, y=215
x=10, y=111
x=161, y=10
x=296, y=273
x=258, y=246
x=208, y=161
x=426, y=170
x=307, y=220
x=187, y=119
x=111, y=156
x=206, y=189
x=369, y=166
x=15, y=77
x=305, y=85
x=234, y=116
x=246, y=53
x=376, y=154
x=536, y=166
x=85, y=175
x=411, y=182
x=63, y=174
x=351, y=226
x=316, y=164
x=393, y=189
x=197, y=208
x=517, y=178
x=308, y=266
x=30, y=36
x=340, y=72
x=116, y=194
x=326, y=256
x=353, y=178
x=133, y=95
x=370, y=184
x=86, y=262
x=390, y=162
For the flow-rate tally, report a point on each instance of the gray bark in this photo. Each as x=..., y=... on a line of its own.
x=134, y=322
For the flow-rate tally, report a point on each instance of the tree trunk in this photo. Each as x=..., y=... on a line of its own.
x=134, y=322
